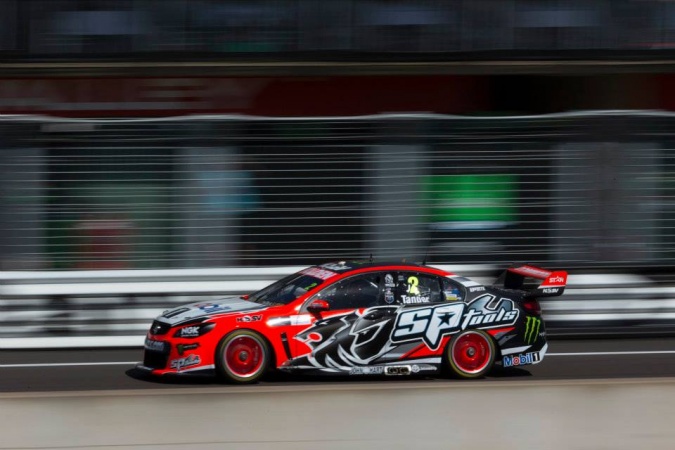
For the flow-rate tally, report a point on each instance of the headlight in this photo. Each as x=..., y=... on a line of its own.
x=193, y=331
x=159, y=328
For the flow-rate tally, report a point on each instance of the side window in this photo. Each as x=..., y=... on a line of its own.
x=360, y=291
x=417, y=288
x=452, y=291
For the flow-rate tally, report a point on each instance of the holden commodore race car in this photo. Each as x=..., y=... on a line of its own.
x=360, y=318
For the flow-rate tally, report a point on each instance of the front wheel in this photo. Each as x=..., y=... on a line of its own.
x=242, y=357
x=470, y=354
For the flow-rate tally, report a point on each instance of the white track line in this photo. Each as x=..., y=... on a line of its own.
x=129, y=363
x=655, y=352
x=117, y=363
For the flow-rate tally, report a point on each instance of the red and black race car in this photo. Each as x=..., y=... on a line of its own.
x=360, y=318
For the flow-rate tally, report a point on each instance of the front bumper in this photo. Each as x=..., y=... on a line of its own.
x=207, y=371
x=176, y=356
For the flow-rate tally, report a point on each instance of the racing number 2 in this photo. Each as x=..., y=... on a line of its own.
x=412, y=286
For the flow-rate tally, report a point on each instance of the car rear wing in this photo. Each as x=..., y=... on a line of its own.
x=553, y=284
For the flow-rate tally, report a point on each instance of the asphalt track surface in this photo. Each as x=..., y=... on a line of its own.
x=87, y=370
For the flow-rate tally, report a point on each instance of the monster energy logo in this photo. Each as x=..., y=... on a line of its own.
x=532, y=326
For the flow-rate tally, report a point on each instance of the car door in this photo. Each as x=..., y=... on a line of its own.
x=338, y=337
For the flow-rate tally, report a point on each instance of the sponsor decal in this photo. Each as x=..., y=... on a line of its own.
x=532, y=326
x=550, y=290
x=411, y=300
x=253, y=318
x=311, y=286
x=556, y=279
x=476, y=289
x=386, y=370
x=156, y=346
x=451, y=296
x=188, y=361
x=337, y=267
x=188, y=332
x=389, y=281
x=369, y=370
x=432, y=323
x=212, y=307
x=355, y=340
x=397, y=370
x=389, y=296
x=182, y=348
x=521, y=360
x=321, y=274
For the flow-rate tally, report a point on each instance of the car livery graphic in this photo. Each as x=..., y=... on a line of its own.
x=360, y=318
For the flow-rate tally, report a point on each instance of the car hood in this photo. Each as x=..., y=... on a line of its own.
x=204, y=309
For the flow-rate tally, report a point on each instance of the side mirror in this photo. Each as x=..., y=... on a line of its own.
x=318, y=306
x=245, y=297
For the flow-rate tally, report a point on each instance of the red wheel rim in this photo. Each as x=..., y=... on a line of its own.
x=471, y=352
x=244, y=356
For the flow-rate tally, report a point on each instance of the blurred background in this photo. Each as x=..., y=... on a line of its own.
x=157, y=151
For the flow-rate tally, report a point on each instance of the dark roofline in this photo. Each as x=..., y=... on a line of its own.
x=358, y=265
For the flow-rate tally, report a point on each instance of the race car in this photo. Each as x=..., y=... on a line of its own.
x=360, y=318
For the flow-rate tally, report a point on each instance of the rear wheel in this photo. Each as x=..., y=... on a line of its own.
x=242, y=357
x=470, y=354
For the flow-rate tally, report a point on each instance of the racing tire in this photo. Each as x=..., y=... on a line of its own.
x=470, y=354
x=242, y=357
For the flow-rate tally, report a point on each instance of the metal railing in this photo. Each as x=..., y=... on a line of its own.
x=105, y=223
x=588, y=190
x=331, y=28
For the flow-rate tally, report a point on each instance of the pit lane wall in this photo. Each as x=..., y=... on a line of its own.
x=115, y=308
x=576, y=415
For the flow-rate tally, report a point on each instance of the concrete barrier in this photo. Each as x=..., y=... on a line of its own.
x=115, y=308
x=552, y=415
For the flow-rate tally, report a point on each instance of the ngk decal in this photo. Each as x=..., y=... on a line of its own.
x=189, y=332
x=432, y=323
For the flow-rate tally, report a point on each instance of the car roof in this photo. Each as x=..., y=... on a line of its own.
x=343, y=267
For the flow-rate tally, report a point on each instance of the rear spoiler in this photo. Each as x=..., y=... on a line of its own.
x=553, y=285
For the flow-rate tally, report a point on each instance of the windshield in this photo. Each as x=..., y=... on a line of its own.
x=286, y=290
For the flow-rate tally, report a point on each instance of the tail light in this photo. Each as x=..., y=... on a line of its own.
x=531, y=306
